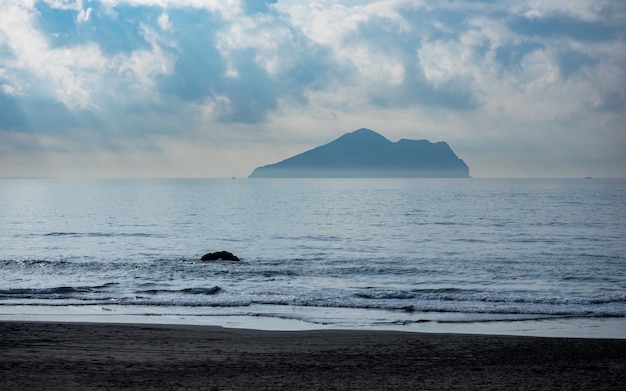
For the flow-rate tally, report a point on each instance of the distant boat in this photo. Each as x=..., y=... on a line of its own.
x=587, y=177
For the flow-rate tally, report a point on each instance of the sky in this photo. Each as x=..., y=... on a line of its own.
x=216, y=88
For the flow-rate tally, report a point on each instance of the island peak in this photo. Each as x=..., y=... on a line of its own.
x=364, y=153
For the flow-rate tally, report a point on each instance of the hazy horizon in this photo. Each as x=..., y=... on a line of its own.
x=214, y=89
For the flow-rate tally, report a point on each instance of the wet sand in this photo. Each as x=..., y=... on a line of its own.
x=79, y=356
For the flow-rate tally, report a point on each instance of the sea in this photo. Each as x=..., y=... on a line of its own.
x=544, y=257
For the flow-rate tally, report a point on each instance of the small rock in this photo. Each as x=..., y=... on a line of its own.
x=220, y=256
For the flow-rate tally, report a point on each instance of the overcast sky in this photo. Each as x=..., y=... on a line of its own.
x=215, y=88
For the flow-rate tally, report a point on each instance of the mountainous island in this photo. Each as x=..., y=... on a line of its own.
x=367, y=154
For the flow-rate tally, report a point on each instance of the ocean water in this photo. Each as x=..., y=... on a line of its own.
x=538, y=257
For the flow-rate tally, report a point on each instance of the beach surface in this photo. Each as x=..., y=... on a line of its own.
x=100, y=356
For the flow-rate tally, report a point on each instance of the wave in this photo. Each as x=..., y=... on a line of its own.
x=103, y=234
x=54, y=292
x=392, y=300
x=443, y=299
x=470, y=295
x=494, y=319
x=26, y=262
x=396, y=300
x=475, y=313
x=193, y=291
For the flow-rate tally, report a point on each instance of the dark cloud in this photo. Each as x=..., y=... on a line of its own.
x=613, y=101
x=252, y=94
x=199, y=64
x=434, y=24
x=119, y=33
x=562, y=26
x=201, y=69
x=57, y=22
x=257, y=6
x=6, y=53
x=387, y=36
x=11, y=115
x=25, y=113
x=571, y=61
x=307, y=65
x=510, y=56
x=455, y=94
x=384, y=36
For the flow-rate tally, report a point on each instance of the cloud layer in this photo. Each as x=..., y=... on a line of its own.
x=216, y=88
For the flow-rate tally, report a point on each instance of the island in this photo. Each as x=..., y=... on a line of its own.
x=364, y=153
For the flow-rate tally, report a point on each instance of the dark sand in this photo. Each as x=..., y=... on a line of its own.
x=75, y=356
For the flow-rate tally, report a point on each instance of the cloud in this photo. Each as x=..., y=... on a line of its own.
x=562, y=26
x=164, y=22
x=510, y=56
x=83, y=15
x=572, y=61
x=257, y=6
x=278, y=77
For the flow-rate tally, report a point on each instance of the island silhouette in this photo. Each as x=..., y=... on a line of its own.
x=364, y=153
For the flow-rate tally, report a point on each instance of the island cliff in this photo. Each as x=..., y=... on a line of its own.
x=367, y=154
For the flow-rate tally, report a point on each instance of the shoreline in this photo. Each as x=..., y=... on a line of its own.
x=75, y=355
x=286, y=318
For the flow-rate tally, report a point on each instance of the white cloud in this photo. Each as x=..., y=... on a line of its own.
x=76, y=5
x=140, y=67
x=327, y=26
x=228, y=8
x=7, y=89
x=83, y=15
x=77, y=74
x=442, y=61
x=164, y=22
x=582, y=9
x=263, y=35
x=334, y=26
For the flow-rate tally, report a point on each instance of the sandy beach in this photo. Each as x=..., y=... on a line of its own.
x=79, y=356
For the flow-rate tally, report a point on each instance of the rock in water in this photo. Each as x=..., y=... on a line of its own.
x=220, y=256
